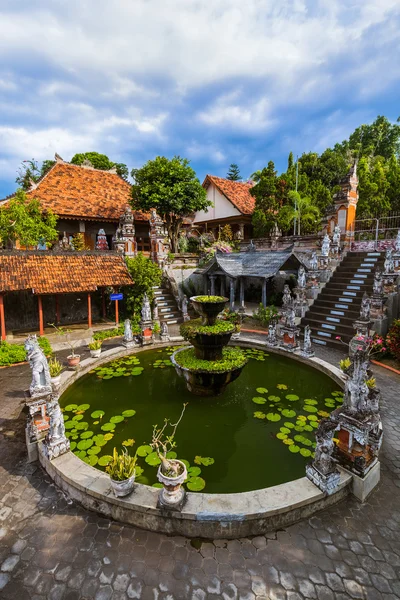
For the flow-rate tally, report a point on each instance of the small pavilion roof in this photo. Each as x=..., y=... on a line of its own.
x=60, y=273
x=263, y=264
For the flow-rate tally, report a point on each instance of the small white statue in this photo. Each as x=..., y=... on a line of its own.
x=155, y=310
x=271, y=339
x=378, y=283
x=287, y=297
x=313, y=261
x=307, y=345
x=389, y=261
x=56, y=442
x=365, y=308
x=184, y=308
x=41, y=383
x=165, y=337
x=336, y=236
x=128, y=335
x=301, y=277
x=326, y=243
x=146, y=310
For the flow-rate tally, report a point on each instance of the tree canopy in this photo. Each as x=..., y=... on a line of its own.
x=23, y=219
x=146, y=275
x=234, y=173
x=170, y=187
x=30, y=172
x=100, y=161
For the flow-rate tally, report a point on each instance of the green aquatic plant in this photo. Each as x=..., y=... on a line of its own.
x=209, y=299
x=232, y=358
x=190, y=329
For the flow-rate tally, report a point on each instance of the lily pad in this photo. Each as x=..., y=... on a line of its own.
x=273, y=417
x=204, y=460
x=259, y=415
x=308, y=428
x=288, y=423
x=259, y=400
x=288, y=441
x=309, y=408
x=108, y=427
x=81, y=425
x=282, y=386
x=293, y=448
x=129, y=413
x=97, y=414
x=310, y=401
x=305, y=452
x=77, y=417
x=85, y=444
x=284, y=430
x=312, y=418
x=86, y=435
x=108, y=436
x=129, y=442
x=83, y=407
x=172, y=455
x=281, y=436
x=262, y=390
x=323, y=413
x=144, y=450
x=153, y=459
x=292, y=397
x=117, y=419
x=194, y=471
x=288, y=413
x=71, y=407
x=196, y=484
x=72, y=446
x=69, y=425
x=94, y=450
x=81, y=454
x=104, y=460
x=274, y=398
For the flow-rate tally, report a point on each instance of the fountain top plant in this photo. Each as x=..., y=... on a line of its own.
x=208, y=366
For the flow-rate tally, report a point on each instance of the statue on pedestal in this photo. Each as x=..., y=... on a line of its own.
x=326, y=243
x=378, y=283
x=287, y=296
x=56, y=442
x=41, y=384
x=365, y=308
x=301, y=277
x=307, y=344
x=146, y=310
x=184, y=308
x=389, y=262
x=128, y=339
x=322, y=471
x=313, y=261
x=271, y=338
x=165, y=337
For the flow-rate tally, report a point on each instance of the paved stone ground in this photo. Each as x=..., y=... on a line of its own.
x=51, y=548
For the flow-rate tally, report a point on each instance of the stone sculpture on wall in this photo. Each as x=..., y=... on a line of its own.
x=56, y=442
x=41, y=384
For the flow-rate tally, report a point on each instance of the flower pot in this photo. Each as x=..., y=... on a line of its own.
x=95, y=353
x=172, y=493
x=73, y=360
x=122, y=488
x=55, y=382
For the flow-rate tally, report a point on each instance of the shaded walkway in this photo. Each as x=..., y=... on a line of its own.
x=51, y=548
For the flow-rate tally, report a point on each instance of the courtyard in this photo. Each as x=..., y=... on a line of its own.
x=53, y=549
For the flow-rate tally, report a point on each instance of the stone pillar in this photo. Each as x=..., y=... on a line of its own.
x=212, y=279
x=242, y=305
x=205, y=281
x=264, y=293
x=232, y=294
x=222, y=288
x=2, y=318
x=89, y=307
x=241, y=231
x=40, y=307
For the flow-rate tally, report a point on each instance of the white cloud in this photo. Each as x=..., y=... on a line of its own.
x=235, y=111
x=206, y=149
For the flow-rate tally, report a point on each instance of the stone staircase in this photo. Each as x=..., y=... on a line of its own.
x=167, y=308
x=338, y=304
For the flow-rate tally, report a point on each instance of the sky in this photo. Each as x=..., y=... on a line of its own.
x=217, y=82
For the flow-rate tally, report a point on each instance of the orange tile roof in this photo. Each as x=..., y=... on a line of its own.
x=58, y=273
x=74, y=192
x=237, y=192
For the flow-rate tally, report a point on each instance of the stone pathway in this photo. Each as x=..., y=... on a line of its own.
x=51, y=548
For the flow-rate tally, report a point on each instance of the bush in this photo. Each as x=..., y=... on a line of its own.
x=231, y=358
x=10, y=354
x=265, y=315
x=146, y=275
x=393, y=339
x=109, y=333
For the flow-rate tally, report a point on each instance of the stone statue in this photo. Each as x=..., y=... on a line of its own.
x=184, y=308
x=326, y=243
x=323, y=460
x=313, y=261
x=56, y=442
x=146, y=310
x=389, y=261
x=287, y=297
x=336, y=236
x=356, y=391
x=301, y=277
x=307, y=345
x=365, y=308
x=397, y=242
x=155, y=310
x=165, y=337
x=290, y=316
x=251, y=247
x=271, y=339
x=41, y=383
x=128, y=335
x=378, y=283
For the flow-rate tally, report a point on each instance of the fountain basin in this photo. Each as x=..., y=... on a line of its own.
x=209, y=310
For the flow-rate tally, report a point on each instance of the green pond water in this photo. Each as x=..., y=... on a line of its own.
x=259, y=433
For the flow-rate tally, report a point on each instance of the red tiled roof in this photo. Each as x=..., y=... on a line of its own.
x=47, y=273
x=75, y=192
x=237, y=192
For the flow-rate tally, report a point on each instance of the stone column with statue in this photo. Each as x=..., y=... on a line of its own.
x=146, y=322
x=159, y=244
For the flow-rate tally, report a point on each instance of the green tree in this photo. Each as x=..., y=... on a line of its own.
x=30, y=172
x=234, y=173
x=24, y=220
x=380, y=138
x=393, y=179
x=301, y=209
x=100, y=161
x=267, y=201
x=170, y=187
x=373, y=185
x=146, y=275
x=78, y=242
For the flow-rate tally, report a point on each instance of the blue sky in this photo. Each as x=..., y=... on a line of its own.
x=216, y=82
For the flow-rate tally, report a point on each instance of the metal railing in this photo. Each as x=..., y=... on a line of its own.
x=375, y=233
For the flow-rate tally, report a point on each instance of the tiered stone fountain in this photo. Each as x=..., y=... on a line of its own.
x=208, y=366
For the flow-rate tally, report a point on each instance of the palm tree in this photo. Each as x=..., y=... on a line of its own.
x=301, y=210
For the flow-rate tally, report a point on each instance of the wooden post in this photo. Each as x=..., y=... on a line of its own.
x=2, y=318
x=103, y=302
x=57, y=309
x=89, y=308
x=116, y=313
x=40, y=306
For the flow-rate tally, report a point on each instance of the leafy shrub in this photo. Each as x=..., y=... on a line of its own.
x=146, y=275
x=189, y=329
x=231, y=358
x=109, y=333
x=11, y=354
x=393, y=339
x=122, y=466
x=265, y=314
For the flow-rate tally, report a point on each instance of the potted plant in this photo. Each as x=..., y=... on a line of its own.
x=171, y=472
x=95, y=348
x=73, y=359
x=121, y=470
x=55, y=368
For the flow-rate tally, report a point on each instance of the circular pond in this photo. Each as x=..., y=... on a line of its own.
x=260, y=432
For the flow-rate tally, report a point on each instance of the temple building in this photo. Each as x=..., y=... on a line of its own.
x=232, y=205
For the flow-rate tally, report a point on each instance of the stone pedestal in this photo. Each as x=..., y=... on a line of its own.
x=381, y=326
x=312, y=293
x=288, y=337
x=130, y=344
x=147, y=332
x=361, y=487
x=359, y=441
x=326, y=483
